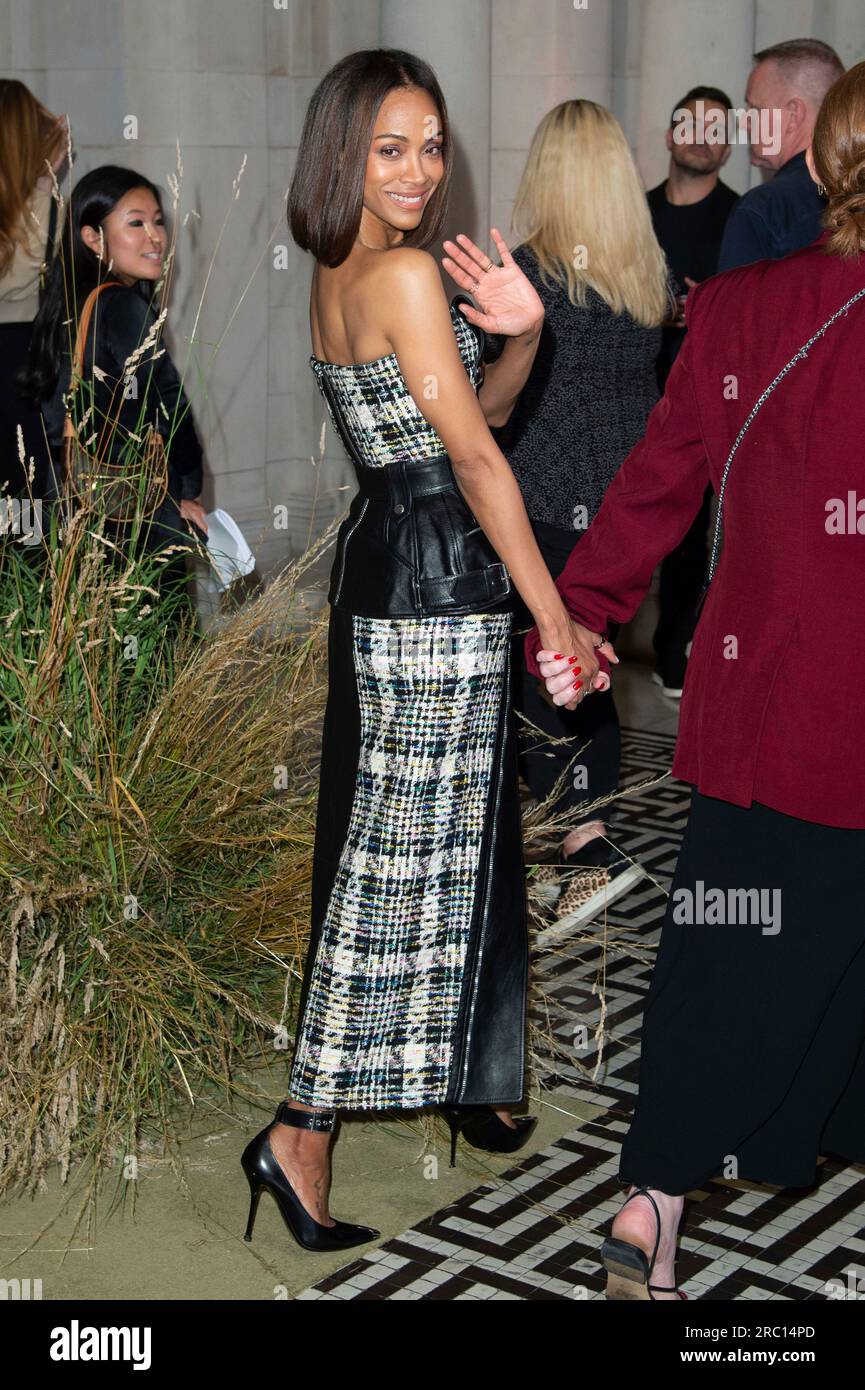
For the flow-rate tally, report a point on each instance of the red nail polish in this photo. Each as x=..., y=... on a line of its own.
x=557, y=656
x=577, y=685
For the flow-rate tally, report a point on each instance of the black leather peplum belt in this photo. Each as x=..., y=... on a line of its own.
x=410, y=545
x=422, y=478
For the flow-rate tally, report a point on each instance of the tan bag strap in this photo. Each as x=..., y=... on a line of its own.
x=80, y=347
x=84, y=326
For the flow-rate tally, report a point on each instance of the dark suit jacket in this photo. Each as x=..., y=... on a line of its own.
x=775, y=218
x=774, y=700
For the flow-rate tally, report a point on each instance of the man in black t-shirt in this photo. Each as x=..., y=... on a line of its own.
x=689, y=212
x=690, y=208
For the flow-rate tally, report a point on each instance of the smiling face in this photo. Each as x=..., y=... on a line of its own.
x=134, y=237
x=404, y=166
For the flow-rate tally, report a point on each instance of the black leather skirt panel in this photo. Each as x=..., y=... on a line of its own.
x=410, y=547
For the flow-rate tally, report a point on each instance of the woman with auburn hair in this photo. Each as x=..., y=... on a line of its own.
x=753, y=1044
x=587, y=245
x=33, y=150
x=415, y=985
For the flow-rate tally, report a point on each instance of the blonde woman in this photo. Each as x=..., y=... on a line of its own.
x=587, y=245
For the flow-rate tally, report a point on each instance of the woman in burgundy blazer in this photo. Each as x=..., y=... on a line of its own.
x=753, y=1045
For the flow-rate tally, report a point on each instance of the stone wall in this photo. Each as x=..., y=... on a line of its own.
x=230, y=80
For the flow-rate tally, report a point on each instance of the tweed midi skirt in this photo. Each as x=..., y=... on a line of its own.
x=411, y=780
x=753, y=1038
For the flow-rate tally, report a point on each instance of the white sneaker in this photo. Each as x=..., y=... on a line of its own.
x=673, y=692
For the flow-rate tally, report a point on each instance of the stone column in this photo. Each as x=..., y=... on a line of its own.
x=453, y=36
x=837, y=22
x=304, y=38
x=542, y=54
x=685, y=43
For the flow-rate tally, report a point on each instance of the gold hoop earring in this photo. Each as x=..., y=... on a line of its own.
x=821, y=189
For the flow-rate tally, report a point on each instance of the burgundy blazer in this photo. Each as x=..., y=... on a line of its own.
x=773, y=708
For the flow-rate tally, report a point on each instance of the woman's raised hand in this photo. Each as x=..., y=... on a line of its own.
x=509, y=302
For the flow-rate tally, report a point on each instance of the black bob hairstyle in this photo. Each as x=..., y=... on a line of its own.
x=325, y=199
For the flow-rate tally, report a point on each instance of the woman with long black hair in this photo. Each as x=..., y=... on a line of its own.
x=115, y=238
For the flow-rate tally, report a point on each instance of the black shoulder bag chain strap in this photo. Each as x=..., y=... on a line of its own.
x=803, y=352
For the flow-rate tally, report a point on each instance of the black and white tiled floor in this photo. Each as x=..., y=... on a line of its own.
x=535, y=1232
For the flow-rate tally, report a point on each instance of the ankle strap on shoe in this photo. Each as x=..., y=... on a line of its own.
x=644, y=1192
x=306, y=1119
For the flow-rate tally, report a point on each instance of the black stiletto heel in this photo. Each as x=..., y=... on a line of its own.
x=254, y=1194
x=455, y=1117
x=628, y=1267
x=483, y=1129
x=263, y=1171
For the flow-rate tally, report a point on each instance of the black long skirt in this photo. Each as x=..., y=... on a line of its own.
x=14, y=342
x=415, y=984
x=753, y=1042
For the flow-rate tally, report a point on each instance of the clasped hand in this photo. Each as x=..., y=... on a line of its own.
x=571, y=669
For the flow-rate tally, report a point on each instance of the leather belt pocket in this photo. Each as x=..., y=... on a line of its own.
x=475, y=589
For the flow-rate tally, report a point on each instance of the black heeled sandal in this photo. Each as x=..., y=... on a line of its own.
x=628, y=1267
x=483, y=1129
x=263, y=1171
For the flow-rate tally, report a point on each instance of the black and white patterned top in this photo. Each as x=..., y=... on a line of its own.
x=378, y=407
x=583, y=407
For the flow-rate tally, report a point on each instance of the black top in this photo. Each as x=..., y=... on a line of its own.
x=690, y=235
x=121, y=321
x=780, y=216
x=584, y=406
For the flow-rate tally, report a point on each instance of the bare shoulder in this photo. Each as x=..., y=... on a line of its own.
x=410, y=292
x=410, y=277
x=408, y=263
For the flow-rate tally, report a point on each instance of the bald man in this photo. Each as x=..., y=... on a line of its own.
x=785, y=88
